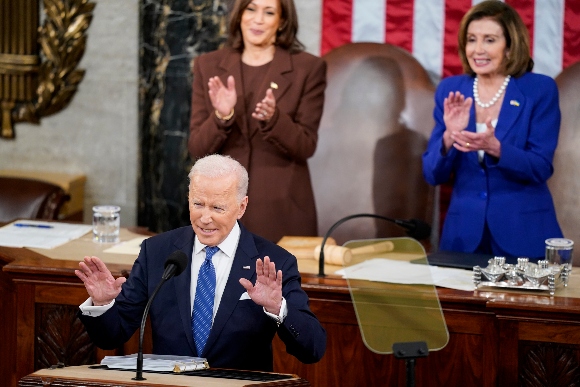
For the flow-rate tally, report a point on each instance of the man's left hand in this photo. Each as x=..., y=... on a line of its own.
x=267, y=292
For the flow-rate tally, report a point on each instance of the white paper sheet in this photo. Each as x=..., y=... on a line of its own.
x=403, y=272
x=39, y=234
x=131, y=247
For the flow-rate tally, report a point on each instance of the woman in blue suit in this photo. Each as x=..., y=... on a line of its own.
x=497, y=151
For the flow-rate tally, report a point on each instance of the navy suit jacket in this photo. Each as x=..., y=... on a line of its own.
x=509, y=193
x=241, y=335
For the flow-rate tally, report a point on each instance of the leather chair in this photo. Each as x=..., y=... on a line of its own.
x=29, y=199
x=376, y=122
x=565, y=183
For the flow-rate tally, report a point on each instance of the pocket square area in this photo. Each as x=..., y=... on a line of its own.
x=245, y=296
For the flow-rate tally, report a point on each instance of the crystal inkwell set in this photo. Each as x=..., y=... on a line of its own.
x=546, y=275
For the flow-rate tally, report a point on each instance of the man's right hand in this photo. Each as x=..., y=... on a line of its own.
x=102, y=287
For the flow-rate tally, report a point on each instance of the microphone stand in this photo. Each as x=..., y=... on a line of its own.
x=338, y=223
x=410, y=351
x=139, y=374
x=174, y=265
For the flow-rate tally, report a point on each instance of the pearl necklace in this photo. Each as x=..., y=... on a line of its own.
x=495, y=97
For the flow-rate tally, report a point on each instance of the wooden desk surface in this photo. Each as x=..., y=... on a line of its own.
x=63, y=260
x=98, y=377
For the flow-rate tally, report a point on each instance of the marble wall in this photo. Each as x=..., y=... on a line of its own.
x=98, y=134
x=173, y=34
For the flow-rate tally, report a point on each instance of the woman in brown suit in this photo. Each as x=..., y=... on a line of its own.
x=260, y=100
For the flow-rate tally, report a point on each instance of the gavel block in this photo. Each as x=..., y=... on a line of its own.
x=339, y=255
x=302, y=247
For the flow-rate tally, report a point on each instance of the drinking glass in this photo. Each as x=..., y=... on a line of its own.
x=106, y=224
x=559, y=251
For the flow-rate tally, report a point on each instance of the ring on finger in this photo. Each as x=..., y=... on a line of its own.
x=467, y=145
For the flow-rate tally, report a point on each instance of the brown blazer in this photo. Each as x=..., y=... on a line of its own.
x=281, y=201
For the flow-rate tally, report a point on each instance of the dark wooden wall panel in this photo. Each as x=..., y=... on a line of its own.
x=495, y=338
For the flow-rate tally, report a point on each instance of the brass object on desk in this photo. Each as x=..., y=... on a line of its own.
x=36, y=84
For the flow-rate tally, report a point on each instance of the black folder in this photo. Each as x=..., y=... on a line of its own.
x=459, y=260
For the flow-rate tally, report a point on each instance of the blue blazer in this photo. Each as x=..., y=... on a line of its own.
x=509, y=193
x=241, y=335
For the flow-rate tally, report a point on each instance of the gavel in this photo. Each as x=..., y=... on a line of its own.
x=339, y=255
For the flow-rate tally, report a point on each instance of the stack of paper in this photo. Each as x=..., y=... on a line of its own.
x=157, y=363
x=39, y=234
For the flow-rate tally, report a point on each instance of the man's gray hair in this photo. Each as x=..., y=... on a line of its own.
x=221, y=166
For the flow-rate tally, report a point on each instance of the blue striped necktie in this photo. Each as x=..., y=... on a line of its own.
x=202, y=314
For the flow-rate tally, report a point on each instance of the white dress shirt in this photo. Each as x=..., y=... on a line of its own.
x=222, y=261
x=481, y=127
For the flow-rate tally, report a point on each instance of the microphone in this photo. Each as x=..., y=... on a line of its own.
x=416, y=228
x=174, y=265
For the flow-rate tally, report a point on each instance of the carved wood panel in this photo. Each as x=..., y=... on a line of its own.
x=549, y=364
x=61, y=337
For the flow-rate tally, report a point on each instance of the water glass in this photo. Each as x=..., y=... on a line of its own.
x=106, y=224
x=559, y=251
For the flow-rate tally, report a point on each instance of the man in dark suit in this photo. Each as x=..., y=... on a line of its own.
x=249, y=305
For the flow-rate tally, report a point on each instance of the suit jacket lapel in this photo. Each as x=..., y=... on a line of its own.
x=512, y=106
x=468, y=91
x=246, y=255
x=278, y=77
x=183, y=285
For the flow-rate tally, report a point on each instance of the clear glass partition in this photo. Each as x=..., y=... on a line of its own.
x=394, y=299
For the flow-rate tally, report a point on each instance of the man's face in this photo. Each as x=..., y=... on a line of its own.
x=214, y=207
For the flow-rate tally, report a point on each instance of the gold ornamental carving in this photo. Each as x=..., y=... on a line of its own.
x=50, y=76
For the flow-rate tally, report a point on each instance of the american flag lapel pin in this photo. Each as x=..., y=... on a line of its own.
x=273, y=85
x=513, y=102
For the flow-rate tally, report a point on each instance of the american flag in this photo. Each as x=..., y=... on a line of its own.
x=428, y=29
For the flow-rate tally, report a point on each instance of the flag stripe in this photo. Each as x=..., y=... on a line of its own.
x=525, y=8
x=399, y=26
x=454, y=11
x=428, y=22
x=428, y=29
x=368, y=21
x=336, y=24
x=548, y=31
x=571, y=49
